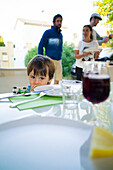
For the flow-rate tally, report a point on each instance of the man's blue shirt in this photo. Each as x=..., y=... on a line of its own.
x=52, y=41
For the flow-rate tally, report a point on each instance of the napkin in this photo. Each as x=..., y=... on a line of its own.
x=41, y=102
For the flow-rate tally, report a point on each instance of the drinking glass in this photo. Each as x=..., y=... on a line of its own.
x=71, y=90
x=96, y=84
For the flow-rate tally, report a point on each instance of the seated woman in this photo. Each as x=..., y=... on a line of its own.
x=40, y=70
x=81, y=55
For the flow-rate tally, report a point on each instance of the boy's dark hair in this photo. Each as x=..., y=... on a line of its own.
x=89, y=26
x=41, y=65
x=57, y=16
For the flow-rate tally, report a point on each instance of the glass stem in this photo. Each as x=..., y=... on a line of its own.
x=95, y=112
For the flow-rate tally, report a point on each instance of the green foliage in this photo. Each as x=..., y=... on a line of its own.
x=67, y=58
x=105, y=9
x=1, y=41
x=30, y=55
x=2, y=44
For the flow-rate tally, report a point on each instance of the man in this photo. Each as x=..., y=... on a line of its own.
x=52, y=40
x=94, y=20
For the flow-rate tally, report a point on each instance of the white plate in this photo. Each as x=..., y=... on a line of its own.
x=42, y=143
x=51, y=90
x=92, y=49
x=43, y=88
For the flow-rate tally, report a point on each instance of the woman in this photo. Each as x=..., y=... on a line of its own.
x=81, y=55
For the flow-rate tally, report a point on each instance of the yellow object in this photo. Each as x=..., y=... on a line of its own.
x=1, y=39
x=101, y=143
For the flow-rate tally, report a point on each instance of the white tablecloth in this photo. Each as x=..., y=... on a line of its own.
x=42, y=139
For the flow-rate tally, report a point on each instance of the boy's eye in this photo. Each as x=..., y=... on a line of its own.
x=33, y=77
x=42, y=78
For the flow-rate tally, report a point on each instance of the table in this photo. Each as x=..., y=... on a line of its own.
x=46, y=138
x=8, y=114
x=82, y=113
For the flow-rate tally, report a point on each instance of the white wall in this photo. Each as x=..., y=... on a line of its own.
x=19, y=57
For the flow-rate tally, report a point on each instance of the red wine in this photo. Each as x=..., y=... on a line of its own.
x=96, y=88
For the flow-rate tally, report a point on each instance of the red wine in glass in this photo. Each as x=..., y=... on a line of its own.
x=96, y=88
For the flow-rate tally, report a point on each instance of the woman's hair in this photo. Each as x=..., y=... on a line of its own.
x=89, y=26
x=41, y=65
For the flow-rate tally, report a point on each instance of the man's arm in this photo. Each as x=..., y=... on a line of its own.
x=42, y=43
x=103, y=39
x=62, y=43
x=99, y=38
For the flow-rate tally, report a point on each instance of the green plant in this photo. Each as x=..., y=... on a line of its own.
x=105, y=9
x=1, y=41
x=2, y=44
x=67, y=58
x=31, y=53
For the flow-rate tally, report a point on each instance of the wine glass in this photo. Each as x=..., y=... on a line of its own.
x=96, y=84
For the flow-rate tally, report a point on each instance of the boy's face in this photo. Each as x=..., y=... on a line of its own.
x=38, y=80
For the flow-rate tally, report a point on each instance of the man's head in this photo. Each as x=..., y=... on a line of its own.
x=57, y=21
x=94, y=19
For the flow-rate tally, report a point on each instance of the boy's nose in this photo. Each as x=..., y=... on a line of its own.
x=37, y=81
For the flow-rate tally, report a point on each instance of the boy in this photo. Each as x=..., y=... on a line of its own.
x=40, y=71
